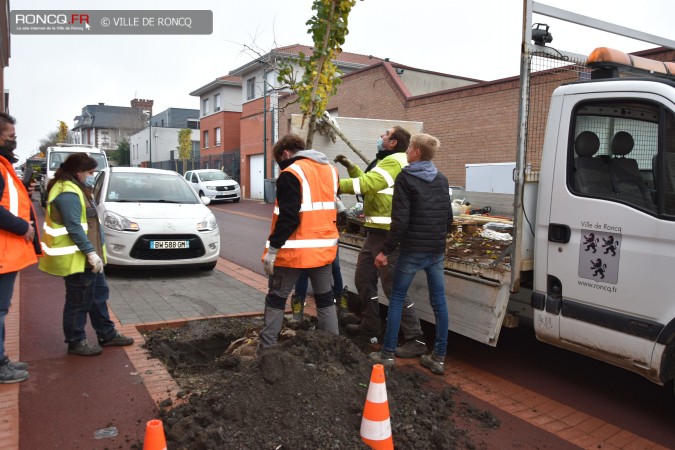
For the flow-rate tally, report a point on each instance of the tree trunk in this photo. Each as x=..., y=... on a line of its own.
x=311, y=128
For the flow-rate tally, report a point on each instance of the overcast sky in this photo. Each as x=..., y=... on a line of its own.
x=51, y=78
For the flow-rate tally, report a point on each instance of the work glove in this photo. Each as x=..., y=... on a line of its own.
x=342, y=219
x=268, y=262
x=95, y=261
x=342, y=159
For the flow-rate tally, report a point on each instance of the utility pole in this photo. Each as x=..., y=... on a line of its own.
x=150, y=139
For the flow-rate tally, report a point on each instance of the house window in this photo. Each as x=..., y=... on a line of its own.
x=206, y=139
x=205, y=106
x=250, y=88
x=193, y=124
x=217, y=137
x=216, y=102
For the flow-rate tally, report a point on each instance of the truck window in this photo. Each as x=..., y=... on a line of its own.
x=614, y=152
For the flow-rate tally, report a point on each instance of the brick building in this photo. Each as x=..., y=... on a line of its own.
x=476, y=123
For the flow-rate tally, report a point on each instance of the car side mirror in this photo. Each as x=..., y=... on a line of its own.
x=206, y=200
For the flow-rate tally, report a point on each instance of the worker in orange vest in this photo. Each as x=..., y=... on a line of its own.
x=304, y=235
x=19, y=239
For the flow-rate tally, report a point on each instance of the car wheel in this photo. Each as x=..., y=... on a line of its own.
x=208, y=267
x=236, y=200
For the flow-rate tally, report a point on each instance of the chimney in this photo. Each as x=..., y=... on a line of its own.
x=145, y=106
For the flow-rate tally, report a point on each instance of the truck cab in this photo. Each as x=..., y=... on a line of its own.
x=605, y=223
x=56, y=155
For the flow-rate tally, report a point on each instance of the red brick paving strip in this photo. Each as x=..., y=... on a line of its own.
x=556, y=418
x=9, y=393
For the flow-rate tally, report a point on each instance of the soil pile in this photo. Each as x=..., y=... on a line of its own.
x=308, y=392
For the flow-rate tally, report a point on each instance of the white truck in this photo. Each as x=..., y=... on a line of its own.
x=55, y=155
x=595, y=228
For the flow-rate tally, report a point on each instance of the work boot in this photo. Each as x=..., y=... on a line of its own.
x=9, y=374
x=84, y=348
x=118, y=340
x=298, y=308
x=362, y=328
x=434, y=363
x=412, y=348
x=342, y=304
x=382, y=357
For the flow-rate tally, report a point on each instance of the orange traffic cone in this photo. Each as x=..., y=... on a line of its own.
x=375, y=424
x=154, y=436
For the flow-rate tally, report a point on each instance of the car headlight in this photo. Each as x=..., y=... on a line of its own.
x=209, y=223
x=210, y=188
x=119, y=223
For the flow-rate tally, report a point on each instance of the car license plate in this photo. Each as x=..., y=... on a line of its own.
x=168, y=245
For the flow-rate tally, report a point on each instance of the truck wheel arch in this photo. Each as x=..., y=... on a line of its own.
x=667, y=337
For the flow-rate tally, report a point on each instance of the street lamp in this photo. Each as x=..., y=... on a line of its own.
x=156, y=135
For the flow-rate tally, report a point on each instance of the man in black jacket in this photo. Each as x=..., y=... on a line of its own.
x=420, y=220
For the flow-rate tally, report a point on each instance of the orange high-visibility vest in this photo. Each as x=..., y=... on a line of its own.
x=314, y=242
x=15, y=252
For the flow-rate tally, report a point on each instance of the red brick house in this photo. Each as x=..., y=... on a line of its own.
x=220, y=115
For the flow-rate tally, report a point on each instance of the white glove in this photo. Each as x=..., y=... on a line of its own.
x=95, y=261
x=268, y=262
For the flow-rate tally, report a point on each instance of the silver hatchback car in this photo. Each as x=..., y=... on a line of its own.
x=153, y=217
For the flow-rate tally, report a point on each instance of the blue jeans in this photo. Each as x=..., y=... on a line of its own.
x=86, y=295
x=408, y=264
x=303, y=281
x=6, y=291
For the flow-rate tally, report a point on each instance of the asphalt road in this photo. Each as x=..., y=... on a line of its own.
x=614, y=395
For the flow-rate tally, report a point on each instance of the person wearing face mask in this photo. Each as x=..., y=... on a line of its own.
x=19, y=241
x=376, y=185
x=73, y=247
x=303, y=237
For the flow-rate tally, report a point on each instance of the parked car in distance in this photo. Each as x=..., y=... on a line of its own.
x=214, y=184
x=153, y=217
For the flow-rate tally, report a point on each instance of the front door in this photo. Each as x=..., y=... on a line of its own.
x=256, y=176
x=611, y=230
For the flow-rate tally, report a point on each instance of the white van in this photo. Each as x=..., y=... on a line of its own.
x=58, y=154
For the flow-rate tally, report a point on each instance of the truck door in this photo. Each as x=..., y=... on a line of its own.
x=610, y=243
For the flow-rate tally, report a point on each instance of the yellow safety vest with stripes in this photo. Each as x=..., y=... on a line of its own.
x=314, y=242
x=61, y=256
x=377, y=188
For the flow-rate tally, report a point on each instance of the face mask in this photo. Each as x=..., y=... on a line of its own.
x=380, y=145
x=7, y=150
x=89, y=181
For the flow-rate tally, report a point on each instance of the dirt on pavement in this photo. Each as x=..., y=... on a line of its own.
x=308, y=392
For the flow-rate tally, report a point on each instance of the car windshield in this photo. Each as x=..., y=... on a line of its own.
x=56, y=158
x=149, y=188
x=216, y=175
